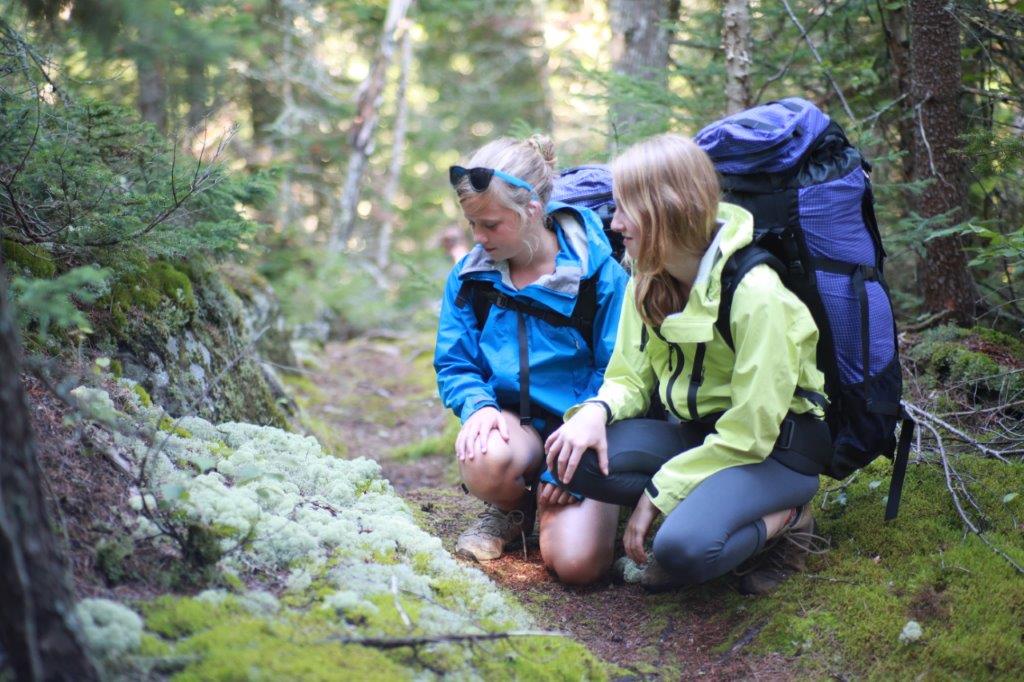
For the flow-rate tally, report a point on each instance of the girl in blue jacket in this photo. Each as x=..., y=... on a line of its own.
x=515, y=350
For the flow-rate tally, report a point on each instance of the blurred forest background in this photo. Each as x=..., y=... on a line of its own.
x=321, y=133
x=182, y=181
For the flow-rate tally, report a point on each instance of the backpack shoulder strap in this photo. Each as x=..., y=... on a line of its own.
x=736, y=268
x=482, y=296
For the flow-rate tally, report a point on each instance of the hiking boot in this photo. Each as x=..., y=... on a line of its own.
x=492, y=532
x=784, y=555
x=656, y=578
x=652, y=576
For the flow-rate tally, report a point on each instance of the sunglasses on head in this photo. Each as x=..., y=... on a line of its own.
x=480, y=178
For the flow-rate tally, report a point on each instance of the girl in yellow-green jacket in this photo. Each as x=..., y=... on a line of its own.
x=733, y=475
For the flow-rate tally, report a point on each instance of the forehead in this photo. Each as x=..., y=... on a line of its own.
x=485, y=207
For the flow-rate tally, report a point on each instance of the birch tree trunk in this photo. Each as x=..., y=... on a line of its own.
x=943, y=275
x=368, y=103
x=397, y=154
x=736, y=45
x=35, y=596
x=640, y=51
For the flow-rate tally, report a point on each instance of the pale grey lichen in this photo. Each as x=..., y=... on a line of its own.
x=311, y=521
x=108, y=628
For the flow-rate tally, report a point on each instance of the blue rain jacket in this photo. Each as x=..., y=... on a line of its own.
x=479, y=368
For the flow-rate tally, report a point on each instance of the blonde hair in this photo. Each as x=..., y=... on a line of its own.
x=532, y=160
x=667, y=187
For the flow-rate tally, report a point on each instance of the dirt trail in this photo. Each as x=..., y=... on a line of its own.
x=376, y=395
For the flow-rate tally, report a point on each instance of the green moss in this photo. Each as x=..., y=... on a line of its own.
x=158, y=295
x=154, y=647
x=110, y=556
x=250, y=648
x=178, y=617
x=969, y=601
x=167, y=424
x=538, y=658
x=143, y=396
x=978, y=361
x=33, y=258
x=117, y=369
x=439, y=445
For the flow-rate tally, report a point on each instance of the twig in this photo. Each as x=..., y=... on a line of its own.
x=950, y=474
x=923, y=416
x=400, y=642
x=817, y=57
x=398, y=603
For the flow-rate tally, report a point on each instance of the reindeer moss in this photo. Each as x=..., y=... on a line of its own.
x=845, y=616
x=33, y=259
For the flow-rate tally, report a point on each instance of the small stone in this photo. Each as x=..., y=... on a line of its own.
x=911, y=632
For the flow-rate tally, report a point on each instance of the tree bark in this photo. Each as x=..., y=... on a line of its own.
x=943, y=276
x=368, y=102
x=397, y=155
x=35, y=595
x=152, y=100
x=640, y=52
x=736, y=45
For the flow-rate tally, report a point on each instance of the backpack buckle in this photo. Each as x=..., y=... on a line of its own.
x=502, y=301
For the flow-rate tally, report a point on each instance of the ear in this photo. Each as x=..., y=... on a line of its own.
x=535, y=211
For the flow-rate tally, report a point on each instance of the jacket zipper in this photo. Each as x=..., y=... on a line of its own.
x=675, y=374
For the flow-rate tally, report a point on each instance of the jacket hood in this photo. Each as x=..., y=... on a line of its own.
x=582, y=249
x=695, y=324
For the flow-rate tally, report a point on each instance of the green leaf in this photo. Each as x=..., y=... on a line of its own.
x=1009, y=497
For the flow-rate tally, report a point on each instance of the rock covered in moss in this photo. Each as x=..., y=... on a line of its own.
x=338, y=553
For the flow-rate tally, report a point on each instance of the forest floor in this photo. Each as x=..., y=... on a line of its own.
x=372, y=397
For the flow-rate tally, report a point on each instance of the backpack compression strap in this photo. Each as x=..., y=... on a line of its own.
x=482, y=295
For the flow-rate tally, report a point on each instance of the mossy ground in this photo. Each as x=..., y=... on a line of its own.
x=844, y=617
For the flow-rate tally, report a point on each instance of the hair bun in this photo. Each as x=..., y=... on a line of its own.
x=545, y=147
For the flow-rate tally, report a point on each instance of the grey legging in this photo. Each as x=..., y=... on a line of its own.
x=719, y=524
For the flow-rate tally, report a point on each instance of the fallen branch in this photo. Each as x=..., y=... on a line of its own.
x=401, y=642
x=923, y=416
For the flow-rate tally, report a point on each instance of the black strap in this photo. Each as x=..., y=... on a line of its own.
x=524, y=371
x=734, y=270
x=482, y=295
x=899, y=468
x=869, y=272
x=813, y=397
x=861, y=291
x=696, y=379
x=754, y=124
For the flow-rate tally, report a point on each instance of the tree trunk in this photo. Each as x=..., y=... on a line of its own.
x=943, y=276
x=736, y=45
x=152, y=100
x=35, y=596
x=195, y=91
x=397, y=155
x=640, y=52
x=368, y=102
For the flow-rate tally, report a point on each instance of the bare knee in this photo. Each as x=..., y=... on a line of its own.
x=579, y=566
x=491, y=476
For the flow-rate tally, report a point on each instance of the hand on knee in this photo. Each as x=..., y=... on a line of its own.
x=493, y=477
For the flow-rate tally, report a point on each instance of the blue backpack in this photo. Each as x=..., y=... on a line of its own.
x=814, y=223
x=591, y=187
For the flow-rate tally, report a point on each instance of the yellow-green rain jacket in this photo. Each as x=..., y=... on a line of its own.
x=775, y=339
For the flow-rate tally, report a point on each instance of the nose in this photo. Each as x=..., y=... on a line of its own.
x=616, y=224
x=479, y=236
